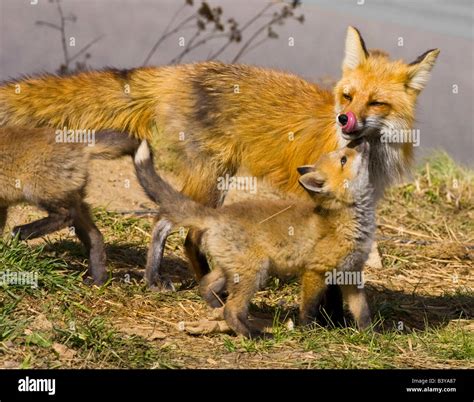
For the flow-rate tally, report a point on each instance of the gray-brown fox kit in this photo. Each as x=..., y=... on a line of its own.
x=37, y=169
x=251, y=240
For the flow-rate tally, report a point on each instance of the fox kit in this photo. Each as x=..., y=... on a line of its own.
x=218, y=117
x=250, y=240
x=51, y=175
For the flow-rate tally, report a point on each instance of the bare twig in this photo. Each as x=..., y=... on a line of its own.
x=275, y=214
x=246, y=45
x=218, y=298
x=207, y=15
x=244, y=27
x=196, y=45
x=260, y=42
x=403, y=230
x=61, y=27
x=86, y=47
x=139, y=212
x=48, y=24
x=186, y=50
x=428, y=174
x=63, y=35
x=166, y=34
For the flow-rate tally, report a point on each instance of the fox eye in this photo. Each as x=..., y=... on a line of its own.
x=375, y=103
x=347, y=97
x=343, y=160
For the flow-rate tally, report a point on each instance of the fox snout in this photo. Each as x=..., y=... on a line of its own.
x=348, y=122
x=354, y=128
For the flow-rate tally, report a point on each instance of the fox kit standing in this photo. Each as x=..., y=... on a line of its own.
x=51, y=175
x=249, y=241
x=218, y=117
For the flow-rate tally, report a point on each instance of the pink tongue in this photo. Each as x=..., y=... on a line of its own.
x=351, y=123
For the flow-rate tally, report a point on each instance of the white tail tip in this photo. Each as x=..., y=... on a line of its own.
x=143, y=153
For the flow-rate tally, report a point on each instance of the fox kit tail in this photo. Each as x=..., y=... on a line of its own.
x=174, y=206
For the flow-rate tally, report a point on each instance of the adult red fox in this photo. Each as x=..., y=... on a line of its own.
x=217, y=117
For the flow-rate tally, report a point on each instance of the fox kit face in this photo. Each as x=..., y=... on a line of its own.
x=375, y=93
x=338, y=176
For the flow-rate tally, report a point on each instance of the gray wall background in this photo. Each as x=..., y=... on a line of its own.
x=131, y=27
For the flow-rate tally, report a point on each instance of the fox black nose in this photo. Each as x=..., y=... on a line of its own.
x=343, y=119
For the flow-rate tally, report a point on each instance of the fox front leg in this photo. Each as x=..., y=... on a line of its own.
x=201, y=184
x=312, y=290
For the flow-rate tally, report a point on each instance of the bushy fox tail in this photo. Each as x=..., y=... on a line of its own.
x=112, y=145
x=174, y=206
x=121, y=100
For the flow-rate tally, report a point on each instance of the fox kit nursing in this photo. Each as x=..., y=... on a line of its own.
x=51, y=175
x=219, y=117
x=249, y=241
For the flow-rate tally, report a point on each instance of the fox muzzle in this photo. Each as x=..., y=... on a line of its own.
x=347, y=121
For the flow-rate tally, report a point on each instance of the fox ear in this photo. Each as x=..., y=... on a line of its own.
x=313, y=183
x=356, y=52
x=419, y=71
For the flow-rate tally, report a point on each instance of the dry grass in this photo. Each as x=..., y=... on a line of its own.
x=422, y=299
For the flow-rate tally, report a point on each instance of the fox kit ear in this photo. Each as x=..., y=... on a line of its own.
x=312, y=182
x=419, y=71
x=356, y=52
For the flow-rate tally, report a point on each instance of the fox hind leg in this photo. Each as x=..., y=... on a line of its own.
x=358, y=306
x=210, y=195
x=153, y=276
x=202, y=189
x=57, y=219
x=90, y=236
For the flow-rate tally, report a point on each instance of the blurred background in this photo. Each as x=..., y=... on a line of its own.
x=307, y=39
